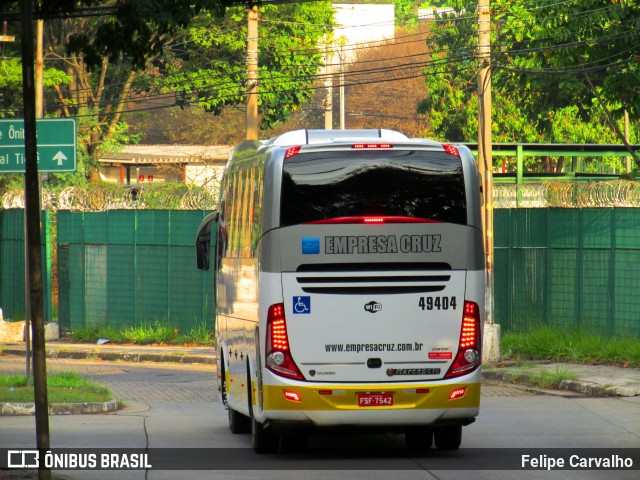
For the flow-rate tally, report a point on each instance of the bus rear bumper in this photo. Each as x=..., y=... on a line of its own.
x=375, y=421
x=405, y=406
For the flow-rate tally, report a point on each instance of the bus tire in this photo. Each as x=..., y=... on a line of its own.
x=294, y=443
x=238, y=423
x=448, y=438
x=419, y=440
x=263, y=439
x=223, y=382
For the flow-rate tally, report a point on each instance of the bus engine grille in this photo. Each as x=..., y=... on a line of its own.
x=370, y=279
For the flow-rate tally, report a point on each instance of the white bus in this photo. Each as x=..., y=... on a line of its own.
x=350, y=287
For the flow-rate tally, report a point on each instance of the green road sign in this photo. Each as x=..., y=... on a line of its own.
x=57, y=145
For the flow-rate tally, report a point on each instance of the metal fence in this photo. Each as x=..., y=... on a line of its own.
x=12, y=250
x=573, y=265
x=123, y=268
x=569, y=268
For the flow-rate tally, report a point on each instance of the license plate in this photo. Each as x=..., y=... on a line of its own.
x=375, y=399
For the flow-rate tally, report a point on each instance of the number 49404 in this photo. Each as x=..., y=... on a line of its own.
x=437, y=303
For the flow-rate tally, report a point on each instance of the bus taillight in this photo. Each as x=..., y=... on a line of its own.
x=451, y=150
x=278, y=355
x=291, y=151
x=468, y=356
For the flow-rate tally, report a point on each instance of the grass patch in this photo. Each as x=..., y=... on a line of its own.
x=551, y=379
x=547, y=343
x=148, y=333
x=65, y=387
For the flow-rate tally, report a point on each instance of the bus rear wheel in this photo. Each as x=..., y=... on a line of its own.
x=419, y=440
x=263, y=439
x=448, y=438
x=294, y=443
x=238, y=423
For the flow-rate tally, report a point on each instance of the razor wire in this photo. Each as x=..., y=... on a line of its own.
x=605, y=194
x=618, y=193
x=127, y=198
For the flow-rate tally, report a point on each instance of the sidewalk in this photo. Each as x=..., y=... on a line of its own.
x=588, y=380
x=126, y=353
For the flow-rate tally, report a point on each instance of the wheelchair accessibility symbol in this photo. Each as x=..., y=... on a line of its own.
x=301, y=305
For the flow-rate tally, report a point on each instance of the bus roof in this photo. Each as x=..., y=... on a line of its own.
x=315, y=137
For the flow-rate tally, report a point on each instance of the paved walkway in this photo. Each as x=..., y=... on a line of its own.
x=588, y=380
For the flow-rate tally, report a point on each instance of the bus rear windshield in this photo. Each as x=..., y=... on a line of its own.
x=391, y=183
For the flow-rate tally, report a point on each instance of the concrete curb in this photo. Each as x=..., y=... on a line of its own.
x=577, y=386
x=125, y=357
x=86, y=408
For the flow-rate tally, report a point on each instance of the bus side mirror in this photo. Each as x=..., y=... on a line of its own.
x=203, y=241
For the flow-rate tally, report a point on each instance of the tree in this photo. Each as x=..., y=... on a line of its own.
x=118, y=54
x=544, y=74
x=207, y=64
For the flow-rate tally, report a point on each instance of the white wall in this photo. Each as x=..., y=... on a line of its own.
x=362, y=24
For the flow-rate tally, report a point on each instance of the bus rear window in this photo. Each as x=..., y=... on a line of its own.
x=391, y=183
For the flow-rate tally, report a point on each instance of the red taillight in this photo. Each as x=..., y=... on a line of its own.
x=293, y=396
x=278, y=356
x=458, y=393
x=371, y=220
x=291, y=151
x=371, y=146
x=468, y=356
x=450, y=149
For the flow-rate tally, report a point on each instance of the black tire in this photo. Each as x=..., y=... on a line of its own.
x=419, y=440
x=238, y=423
x=448, y=438
x=263, y=439
x=223, y=383
x=296, y=443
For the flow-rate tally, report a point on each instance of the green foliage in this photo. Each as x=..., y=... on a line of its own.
x=209, y=66
x=534, y=100
x=136, y=30
x=64, y=387
x=157, y=332
x=406, y=12
x=11, y=84
x=546, y=343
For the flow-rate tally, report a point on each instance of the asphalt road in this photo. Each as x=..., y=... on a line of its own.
x=175, y=406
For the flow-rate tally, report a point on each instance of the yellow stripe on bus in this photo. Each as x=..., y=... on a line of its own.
x=420, y=396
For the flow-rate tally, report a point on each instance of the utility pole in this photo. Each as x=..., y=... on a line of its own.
x=626, y=137
x=485, y=160
x=328, y=84
x=32, y=219
x=39, y=114
x=342, y=120
x=252, y=75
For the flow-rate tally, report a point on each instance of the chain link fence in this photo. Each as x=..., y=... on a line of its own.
x=127, y=198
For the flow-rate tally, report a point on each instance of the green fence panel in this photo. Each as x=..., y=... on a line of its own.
x=131, y=267
x=568, y=268
x=122, y=294
x=12, y=288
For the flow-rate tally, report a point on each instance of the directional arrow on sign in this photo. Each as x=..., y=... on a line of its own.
x=59, y=157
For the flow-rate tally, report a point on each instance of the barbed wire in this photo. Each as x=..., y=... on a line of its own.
x=125, y=198
x=616, y=193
